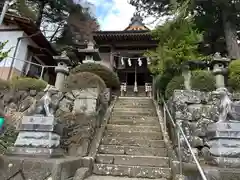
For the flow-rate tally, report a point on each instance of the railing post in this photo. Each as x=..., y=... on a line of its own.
x=179, y=150
x=165, y=118
x=41, y=75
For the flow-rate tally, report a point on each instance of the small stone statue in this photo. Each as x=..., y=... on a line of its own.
x=225, y=107
x=44, y=105
x=228, y=110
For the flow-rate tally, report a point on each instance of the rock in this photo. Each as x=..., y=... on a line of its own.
x=69, y=96
x=65, y=105
x=25, y=104
x=76, y=93
x=33, y=93
x=81, y=174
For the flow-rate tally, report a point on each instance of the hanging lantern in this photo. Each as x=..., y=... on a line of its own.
x=122, y=61
x=129, y=62
x=148, y=61
x=139, y=62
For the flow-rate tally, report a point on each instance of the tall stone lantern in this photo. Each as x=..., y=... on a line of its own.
x=219, y=63
x=89, y=54
x=62, y=69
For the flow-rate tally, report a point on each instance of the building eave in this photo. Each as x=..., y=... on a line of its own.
x=29, y=27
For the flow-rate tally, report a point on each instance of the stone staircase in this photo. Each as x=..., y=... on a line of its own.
x=141, y=91
x=132, y=145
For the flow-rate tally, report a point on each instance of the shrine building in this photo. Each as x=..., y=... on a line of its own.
x=123, y=51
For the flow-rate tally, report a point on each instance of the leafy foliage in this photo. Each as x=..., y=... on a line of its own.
x=203, y=80
x=7, y=138
x=4, y=85
x=25, y=83
x=217, y=18
x=177, y=82
x=3, y=54
x=234, y=75
x=178, y=42
x=110, y=78
x=84, y=80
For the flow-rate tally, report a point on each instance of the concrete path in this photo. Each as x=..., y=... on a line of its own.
x=116, y=178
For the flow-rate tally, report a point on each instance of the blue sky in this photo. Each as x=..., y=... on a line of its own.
x=113, y=14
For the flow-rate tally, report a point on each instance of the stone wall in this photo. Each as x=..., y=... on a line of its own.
x=79, y=111
x=194, y=110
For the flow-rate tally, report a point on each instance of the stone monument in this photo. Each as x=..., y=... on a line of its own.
x=39, y=134
x=224, y=135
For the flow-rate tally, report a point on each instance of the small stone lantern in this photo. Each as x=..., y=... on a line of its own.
x=62, y=69
x=219, y=63
x=89, y=54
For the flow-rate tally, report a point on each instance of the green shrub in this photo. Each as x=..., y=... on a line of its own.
x=4, y=85
x=25, y=83
x=161, y=82
x=203, y=80
x=83, y=80
x=234, y=75
x=110, y=78
x=177, y=82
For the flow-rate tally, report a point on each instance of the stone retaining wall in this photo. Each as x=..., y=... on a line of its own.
x=79, y=111
x=194, y=110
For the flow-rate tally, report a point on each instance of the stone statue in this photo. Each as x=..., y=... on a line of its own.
x=228, y=110
x=44, y=105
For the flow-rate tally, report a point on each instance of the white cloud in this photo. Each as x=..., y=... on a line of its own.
x=116, y=14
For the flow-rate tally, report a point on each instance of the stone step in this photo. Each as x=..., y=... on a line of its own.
x=130, y=105
x=132, y=160
x=133, y=142
x=134, y=109
x=130, y=128
x=133, y=113
x=142, y=135
x=134, y=121
x=131, y=171
x=132, y=150
x=94, y=177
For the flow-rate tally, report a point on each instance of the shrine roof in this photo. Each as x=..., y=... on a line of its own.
x=122, y=35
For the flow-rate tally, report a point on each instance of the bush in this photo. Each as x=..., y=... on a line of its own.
x=161, y=82
x=4, y=85
x=234, y=75
x=110, y=78
x=177, y=82
x=25, y=83
x=203, y=80
x=83, y=80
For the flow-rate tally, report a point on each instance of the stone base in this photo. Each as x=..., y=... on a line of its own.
x=225, y=162
x=35, y=152
x=22, y=168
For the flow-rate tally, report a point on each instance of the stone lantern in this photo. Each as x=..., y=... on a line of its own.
x=219, y=63
x=89, y=54
x=62, y=69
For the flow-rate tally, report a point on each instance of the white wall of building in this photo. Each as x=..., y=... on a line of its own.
x=22, y=51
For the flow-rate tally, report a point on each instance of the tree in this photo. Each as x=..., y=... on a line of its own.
x=210, y=16
x=178, y=43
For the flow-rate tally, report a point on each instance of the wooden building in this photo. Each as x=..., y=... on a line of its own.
x=123, y=52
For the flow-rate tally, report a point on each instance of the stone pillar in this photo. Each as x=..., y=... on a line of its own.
x=186, y=73
x=219, y=70
x=62, y=69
